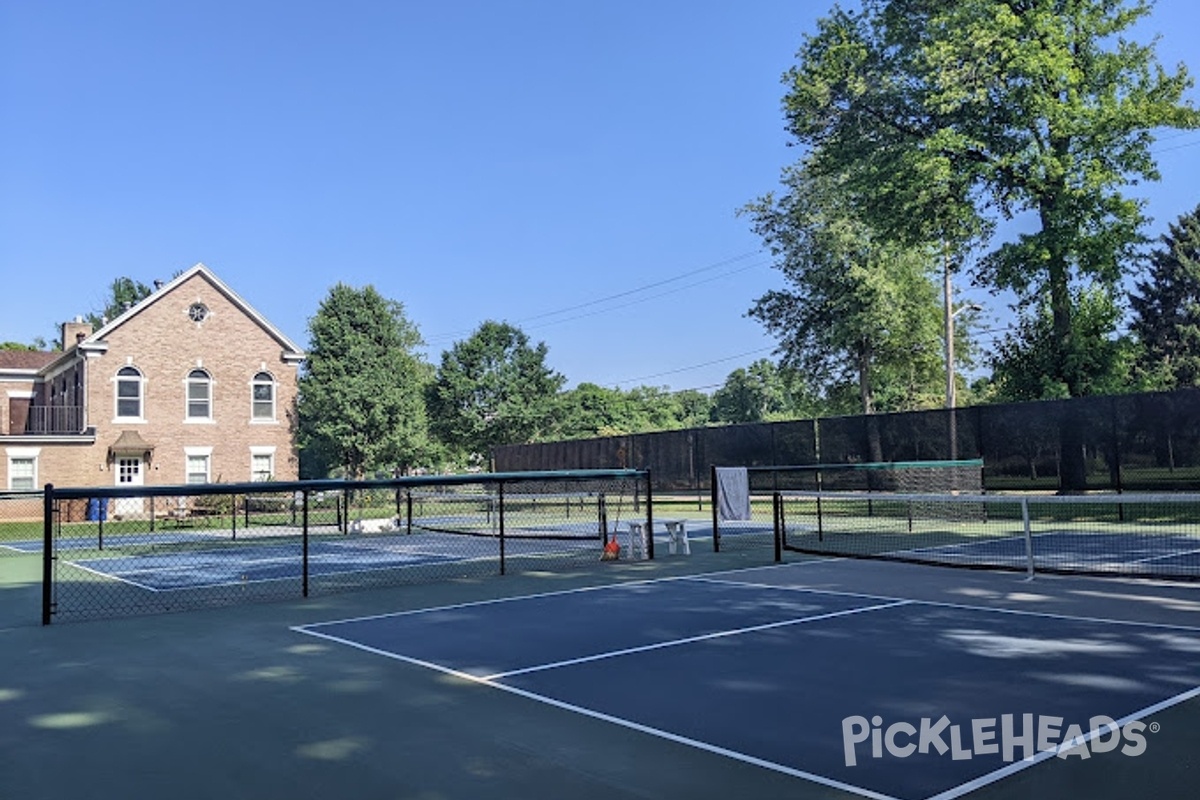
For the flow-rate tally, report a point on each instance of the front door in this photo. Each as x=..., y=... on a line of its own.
x=129, y=473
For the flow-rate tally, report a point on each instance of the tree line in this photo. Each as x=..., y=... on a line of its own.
x=928, y=131
x=370, y=403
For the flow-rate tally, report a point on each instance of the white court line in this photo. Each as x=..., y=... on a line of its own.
x=1045, y=755
x=587, y=712
x=1176, y=554
x=715, y=749
x=692, y=639
x=961, y=606
x=113, y=576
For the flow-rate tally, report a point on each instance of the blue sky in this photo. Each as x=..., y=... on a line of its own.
x=573, y=168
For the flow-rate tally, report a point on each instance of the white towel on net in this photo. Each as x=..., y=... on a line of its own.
x=733, y=493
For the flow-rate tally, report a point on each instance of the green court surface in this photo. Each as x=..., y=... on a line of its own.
x=233, y=703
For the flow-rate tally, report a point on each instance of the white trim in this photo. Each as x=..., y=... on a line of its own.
x=12, y=393
x=274, y=384
x=262, y=450
x=23, y=454
x=291, y=352
x=198, y=451
x=115, y=381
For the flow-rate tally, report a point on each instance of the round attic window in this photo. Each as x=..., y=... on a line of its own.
x=198, y=312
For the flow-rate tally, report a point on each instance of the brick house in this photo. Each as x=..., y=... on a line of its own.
x=190, y=385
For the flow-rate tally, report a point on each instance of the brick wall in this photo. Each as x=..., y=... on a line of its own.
x=165, y=345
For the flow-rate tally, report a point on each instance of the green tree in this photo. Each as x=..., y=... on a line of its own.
x=751, y=394
x=947, y=116
x=123, y=293
x=1166, y=308
x=361, y=404
x=493, y=388
x=857, y=308
x=1022, y=365
x=17, y=346
x=591, y=410
x=694, y=408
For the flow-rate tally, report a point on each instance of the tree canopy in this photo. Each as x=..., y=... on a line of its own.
x=1166, y=307
x=947, y=117
x=493, y=388
x=361, y=403
x=857, y=308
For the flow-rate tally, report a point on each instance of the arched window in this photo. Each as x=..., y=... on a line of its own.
x=129, y=393
x=262, y=394
x=199, y=395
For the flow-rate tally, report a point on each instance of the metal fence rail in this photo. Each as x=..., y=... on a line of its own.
x=112, y=551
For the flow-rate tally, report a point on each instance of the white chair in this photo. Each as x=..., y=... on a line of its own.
x=638, y=536
x=677, y=530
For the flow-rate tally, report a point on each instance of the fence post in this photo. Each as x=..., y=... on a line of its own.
x=47, y=552
x=777, y=509
x=501, y=512
x=304, y=547
x=712, y=470
x=649, y=518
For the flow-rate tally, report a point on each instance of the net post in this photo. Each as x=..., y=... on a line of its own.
x=1028, y=538
x=714, y=499
x=820, y=519
x=649, y=518
x=602, y=517
x=47, y=552
x=408, y=512
x=777, y=519
x=304, y=545
x=233, y=514
x=500, y=501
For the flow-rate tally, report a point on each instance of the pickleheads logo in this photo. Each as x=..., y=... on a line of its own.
x=1008, y=736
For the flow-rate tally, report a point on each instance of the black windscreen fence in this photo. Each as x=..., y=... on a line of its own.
x=1141, y=442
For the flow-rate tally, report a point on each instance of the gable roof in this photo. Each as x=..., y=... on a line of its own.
x=31, y=360
x=291, y=352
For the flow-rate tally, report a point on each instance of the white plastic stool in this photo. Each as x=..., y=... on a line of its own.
x=637, y=539
x=677, y=530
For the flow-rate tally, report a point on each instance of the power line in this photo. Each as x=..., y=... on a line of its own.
x=696, y=366
x=609, y=298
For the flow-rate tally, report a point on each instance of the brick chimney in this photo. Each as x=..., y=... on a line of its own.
x=74, y=332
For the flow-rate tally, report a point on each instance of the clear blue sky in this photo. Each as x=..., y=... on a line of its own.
x=573, y=168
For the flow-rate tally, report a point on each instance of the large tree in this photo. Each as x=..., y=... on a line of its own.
x=1166, y=308
x=123, y=293
x=493, y=388
x=857, y=308
x=361, y=404
x=945, y=117
x=1023, y=363
x=756, y=393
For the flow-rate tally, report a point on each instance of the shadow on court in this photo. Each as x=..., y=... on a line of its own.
x=233, y=703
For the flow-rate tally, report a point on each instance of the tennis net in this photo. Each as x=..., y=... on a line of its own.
x=1131, y=535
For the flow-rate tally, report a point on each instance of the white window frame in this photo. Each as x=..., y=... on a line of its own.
x=190, y=453
x=118, y=379
x=274, y=386
x=262, y=452
x=188, y=382
x=23, y=454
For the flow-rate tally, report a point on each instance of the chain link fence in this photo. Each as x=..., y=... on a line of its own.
x=113, y=551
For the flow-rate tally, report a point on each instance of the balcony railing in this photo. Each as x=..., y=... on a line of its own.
x=43, y=420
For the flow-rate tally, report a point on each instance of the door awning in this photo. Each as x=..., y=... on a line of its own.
x=130, y=443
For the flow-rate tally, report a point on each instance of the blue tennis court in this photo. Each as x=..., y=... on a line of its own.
x=261, y=559
x=881, y=696
x=1088, y=550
